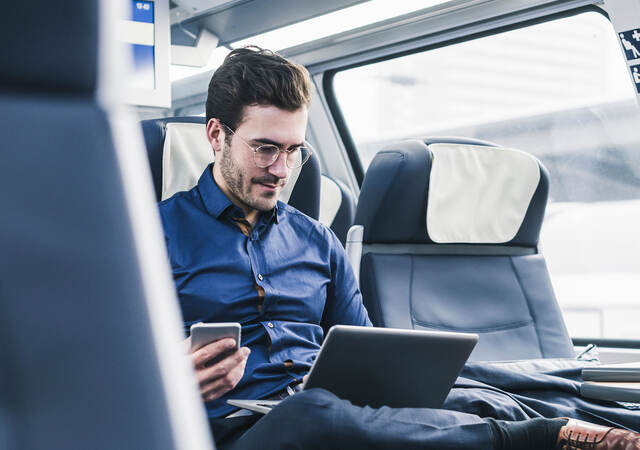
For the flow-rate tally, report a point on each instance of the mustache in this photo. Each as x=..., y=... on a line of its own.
x=269, y=179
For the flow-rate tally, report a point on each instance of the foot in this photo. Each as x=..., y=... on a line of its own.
x=579, y=435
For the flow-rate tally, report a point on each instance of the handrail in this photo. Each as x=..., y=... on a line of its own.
x=603, y=342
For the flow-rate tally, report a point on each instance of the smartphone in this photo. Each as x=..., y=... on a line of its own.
x=204, y=333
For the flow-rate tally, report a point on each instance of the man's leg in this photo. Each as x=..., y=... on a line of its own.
x=228, y=430
x=530, y=434
x=319, y=419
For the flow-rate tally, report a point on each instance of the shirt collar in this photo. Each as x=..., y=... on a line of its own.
x=273, y=215
x=217, y=203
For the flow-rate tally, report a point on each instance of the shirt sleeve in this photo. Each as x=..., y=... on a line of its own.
x=344, y=301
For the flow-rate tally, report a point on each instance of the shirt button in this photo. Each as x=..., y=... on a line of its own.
x=260, y=277
x=270, y=325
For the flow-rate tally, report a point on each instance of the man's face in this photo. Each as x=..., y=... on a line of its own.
x=252, y=188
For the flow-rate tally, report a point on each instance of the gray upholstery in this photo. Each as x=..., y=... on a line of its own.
x=502, y=292
x=79, y=364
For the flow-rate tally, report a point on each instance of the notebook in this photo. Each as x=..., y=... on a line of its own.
x=617, y=391
x=612, y=372
x=384, y=367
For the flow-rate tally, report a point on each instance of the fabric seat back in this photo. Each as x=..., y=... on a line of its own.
x=178, y=152
x=448, y=230
x=92, y=354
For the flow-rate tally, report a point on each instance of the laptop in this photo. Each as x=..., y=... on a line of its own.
x=384, y=367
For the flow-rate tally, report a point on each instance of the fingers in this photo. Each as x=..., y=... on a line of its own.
x=207, y=373
x=212, y=351
x=218, y=367
x=224, y=384
x=222, y=376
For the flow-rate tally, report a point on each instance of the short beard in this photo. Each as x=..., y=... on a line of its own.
x=231, y=173
x=234, y=179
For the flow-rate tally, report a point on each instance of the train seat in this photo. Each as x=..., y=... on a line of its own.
x=337, y=206
x=446, y=238
x=92, y=354
x=178, y=152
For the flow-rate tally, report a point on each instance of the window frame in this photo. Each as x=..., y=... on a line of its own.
x=342, y=128
x=329, y=75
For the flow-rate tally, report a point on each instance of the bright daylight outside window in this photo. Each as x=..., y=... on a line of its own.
x=560, y=91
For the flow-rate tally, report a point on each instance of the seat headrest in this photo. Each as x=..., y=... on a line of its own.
x=154, y=131
x=178, y=153
x=50, y=46
x=453, y=191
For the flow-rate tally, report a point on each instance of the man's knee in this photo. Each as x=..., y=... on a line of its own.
x=316, y=403
x=308, y=416
x=298, y=422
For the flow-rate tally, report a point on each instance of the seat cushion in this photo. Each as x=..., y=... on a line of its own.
x=498, y=297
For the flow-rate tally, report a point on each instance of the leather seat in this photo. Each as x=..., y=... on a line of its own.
x=446, y=238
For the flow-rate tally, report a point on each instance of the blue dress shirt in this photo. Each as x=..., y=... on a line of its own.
x=308, y=283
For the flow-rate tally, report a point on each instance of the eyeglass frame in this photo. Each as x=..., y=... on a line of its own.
x=305, y=144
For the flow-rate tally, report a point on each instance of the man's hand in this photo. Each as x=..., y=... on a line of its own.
x=218, y=367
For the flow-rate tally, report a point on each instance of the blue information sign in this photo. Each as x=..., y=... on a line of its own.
x=142, y=11
x=635, y=74
x=631, y=43
x=143, y=54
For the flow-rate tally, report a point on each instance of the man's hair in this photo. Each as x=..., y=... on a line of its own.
x=255, y=76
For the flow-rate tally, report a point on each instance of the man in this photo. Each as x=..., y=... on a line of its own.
x=238, y=254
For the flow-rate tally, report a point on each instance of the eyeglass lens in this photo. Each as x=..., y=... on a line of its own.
x=266, y=155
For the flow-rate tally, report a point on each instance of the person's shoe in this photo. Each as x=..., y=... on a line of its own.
x=579, y=435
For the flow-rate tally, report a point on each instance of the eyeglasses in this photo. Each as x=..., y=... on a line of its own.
x=267, y=154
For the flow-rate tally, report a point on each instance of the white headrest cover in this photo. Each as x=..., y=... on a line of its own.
x=330, y=200
x=185, y=155
x=479, y=194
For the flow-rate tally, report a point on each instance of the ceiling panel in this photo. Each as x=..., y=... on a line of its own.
x=242, y=19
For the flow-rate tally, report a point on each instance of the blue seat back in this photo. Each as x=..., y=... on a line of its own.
x=500, y=290
x=305, y=195
x=80, y=363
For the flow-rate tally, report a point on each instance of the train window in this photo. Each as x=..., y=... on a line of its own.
x=560, y=91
